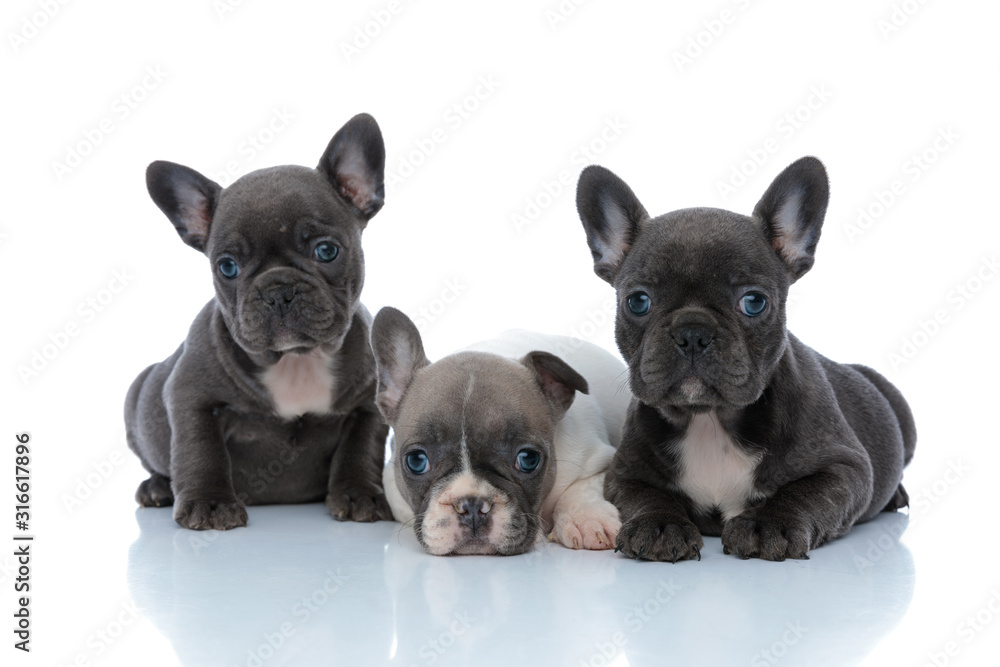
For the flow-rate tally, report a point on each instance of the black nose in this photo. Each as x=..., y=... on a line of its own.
x=693, y=339
x=278, y=295
x=473, y=512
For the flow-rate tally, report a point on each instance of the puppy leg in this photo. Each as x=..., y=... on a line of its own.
x=655, y=523
x=583, y=518
x=201, y=475
x=355, y=488
x=802, y=515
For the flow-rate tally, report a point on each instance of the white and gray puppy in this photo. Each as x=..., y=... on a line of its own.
x=498, y=444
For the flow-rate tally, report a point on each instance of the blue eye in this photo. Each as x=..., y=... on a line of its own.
x=326, y=252
x=417, y=462
x=753, y=304
x=638, y=303
x=528, y=460
x=228, y=267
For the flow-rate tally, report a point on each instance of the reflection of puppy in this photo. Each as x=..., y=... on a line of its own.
x=738, y=429
x=270, y=398
x=486, y=448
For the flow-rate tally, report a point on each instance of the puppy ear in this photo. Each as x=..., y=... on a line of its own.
x=792, y=211
x=186, y=197
x=557, y=380
x=354, y=163
x=399, y=354
x=611, y=214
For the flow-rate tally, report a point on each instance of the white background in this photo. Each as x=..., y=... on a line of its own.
x=98, y=285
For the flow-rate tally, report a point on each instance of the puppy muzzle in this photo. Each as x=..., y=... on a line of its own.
x=286, y=310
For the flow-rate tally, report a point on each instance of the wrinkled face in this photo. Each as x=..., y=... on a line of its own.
x=701, y=312
x=473, y=455
x=287, y=261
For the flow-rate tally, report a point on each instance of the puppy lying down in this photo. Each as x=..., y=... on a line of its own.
x=498, y=445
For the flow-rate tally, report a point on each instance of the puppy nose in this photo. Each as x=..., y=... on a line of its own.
x=278, y=294
x=693, y=339
x=473, y=511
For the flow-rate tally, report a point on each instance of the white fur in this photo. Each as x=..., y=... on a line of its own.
x=466, y=457
x=300, y=383
x=401, y=509
x=714, y=471
x=443, y=533
x=585, y=441
x=585, y=438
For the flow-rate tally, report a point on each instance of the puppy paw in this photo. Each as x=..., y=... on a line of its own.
x=759, y=535
x=593, y=526
x=210, y=514
x=660, y=537
x=899, y=499
x=155, y=492
x=350, y=503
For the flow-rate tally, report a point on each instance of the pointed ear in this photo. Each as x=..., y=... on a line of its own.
x=611, y=214
x=354, y=163
x=557, y=380
x=186, y=197
x=399, y=354
x=792, y=212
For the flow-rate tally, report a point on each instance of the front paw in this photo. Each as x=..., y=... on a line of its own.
x=661, y=537
x=352, y=502
x=760, y=535
x=210, y=514
x=594, y=526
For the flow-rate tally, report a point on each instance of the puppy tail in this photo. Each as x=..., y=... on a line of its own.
x=904, y=416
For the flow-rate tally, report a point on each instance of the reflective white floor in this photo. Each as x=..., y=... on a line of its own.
x=298, y=588
x=117, y=585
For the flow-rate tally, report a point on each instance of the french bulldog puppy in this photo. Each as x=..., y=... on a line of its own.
x=494, y=443
x=270, y=399
x=737, y=428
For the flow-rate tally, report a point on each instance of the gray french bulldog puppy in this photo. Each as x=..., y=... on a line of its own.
x=737, y=428
x=270, y=399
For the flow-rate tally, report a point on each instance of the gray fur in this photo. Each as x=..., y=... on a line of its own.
x=203, y=421
x=828, y=441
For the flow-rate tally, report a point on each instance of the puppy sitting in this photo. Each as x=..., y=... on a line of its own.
x=737, y=429
x=489, y=444
x=271, y=397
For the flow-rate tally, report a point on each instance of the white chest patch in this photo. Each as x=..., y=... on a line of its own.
x=300, y=383
x=714, y=471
